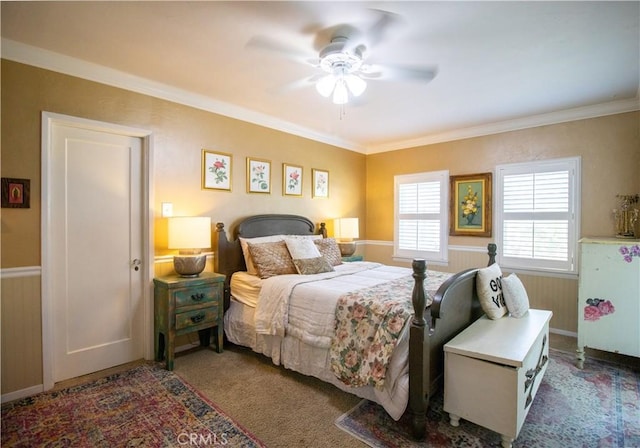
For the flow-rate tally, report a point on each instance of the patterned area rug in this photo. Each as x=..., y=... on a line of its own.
x=146, y=406
x=598, y=406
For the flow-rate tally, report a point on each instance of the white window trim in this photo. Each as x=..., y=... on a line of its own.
x=574, y=164
x=441, y=257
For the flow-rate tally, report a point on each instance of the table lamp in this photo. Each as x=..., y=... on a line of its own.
x=345, y=229
x=189, y=234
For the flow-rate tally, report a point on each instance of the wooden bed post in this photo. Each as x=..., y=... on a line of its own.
x=492, y=249
x=227, y=259
x=419, y=353
x=323, y=230
x=426, y=341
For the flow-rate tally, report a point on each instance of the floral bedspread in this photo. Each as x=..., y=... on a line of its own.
x=369, y=323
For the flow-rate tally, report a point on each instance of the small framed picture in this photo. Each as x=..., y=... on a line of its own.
x=320, y=186
x=470, y=212
x=258, y=175
x=291, y=180
x=15, y=193
x=216, y=170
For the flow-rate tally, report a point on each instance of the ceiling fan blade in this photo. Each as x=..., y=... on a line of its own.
x=400, y=72
x=309, y=81
x=284, y=50
x=355, y=37
x=380, y=28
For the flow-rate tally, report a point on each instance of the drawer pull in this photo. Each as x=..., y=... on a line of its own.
x=197, y=297
x=198, y=318
x=531, y=374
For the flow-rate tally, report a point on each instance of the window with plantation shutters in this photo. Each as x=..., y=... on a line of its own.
x=421, y=218
x=537, y=214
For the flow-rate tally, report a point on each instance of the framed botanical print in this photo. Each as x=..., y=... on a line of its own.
x=320, y=183
x=216, y=170
x=291, y=180
x=470, y=212
x=258, y=175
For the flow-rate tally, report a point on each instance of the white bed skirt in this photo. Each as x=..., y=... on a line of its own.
x=294, y=354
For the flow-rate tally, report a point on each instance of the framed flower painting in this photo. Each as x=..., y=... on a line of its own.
x=470, y=212
x=320, y=186
x=258, y=175
x=291, y=180
x=216, y=170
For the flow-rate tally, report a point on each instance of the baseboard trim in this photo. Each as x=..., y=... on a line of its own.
x=22, y=393
x=572, y=334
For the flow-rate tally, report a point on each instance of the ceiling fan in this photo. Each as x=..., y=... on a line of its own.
x=342, y=58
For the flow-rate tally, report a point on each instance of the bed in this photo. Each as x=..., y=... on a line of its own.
x=291, y=318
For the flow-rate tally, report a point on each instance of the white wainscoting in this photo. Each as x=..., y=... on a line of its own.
x=21, y=332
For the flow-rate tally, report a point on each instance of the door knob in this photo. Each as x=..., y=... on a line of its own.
x=136, y=264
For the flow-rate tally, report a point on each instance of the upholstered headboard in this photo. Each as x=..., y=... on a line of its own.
x=228, y=256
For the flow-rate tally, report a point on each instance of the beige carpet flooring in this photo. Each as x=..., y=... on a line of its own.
x=280, y=407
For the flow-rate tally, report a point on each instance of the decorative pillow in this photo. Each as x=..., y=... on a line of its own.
x=515, y=295
x=306, y=256
x=317, y=265
x=329, y=249
x=244, y=243
x=489, y=286
x=301, y=248
x=305, y=237
x=271, y=259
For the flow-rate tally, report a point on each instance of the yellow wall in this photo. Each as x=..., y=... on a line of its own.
x=360, y=186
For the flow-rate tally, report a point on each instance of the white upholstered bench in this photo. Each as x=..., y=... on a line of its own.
x=493, y=370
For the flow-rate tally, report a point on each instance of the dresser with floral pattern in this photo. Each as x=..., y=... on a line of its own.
x=609, y=296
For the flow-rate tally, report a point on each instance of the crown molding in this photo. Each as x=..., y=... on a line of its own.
x=562, y=116
x=38, y=57
x=49, y=60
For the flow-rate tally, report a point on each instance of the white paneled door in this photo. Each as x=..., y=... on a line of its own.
x=96, y=275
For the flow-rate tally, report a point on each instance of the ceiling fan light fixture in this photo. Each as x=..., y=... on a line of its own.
x=340, y=93
x=341, y=65
x=325, y=85
x=356, y=84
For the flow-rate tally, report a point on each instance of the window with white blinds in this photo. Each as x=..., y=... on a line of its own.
x=537, y=214
x=421, y=218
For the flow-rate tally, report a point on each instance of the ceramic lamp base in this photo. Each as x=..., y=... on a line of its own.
x=347, y=248
x=189, y=265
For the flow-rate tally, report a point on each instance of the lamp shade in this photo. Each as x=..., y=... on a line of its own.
x=189, y=232
x=341, y=85
x=346, y=228
x=356, y=84
x=325, y=85
x=340, y=92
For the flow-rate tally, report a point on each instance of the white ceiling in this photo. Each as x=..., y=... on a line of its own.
x=501, y=65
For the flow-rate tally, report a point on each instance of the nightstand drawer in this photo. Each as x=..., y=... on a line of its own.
x=196, y=296
x=196, y=317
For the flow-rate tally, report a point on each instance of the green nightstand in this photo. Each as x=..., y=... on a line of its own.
x=184, y=305
x=352, y=258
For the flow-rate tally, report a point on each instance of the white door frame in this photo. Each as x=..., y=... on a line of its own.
x=50, y=119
